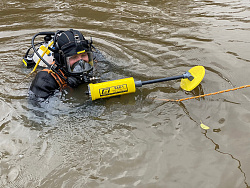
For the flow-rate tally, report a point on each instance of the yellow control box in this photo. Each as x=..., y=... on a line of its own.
x=112, y=88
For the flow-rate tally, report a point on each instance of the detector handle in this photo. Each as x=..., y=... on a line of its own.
x=187, y=75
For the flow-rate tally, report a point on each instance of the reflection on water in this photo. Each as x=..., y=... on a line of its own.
x=130, y=140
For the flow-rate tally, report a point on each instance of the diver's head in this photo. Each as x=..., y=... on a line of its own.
x=73, y=52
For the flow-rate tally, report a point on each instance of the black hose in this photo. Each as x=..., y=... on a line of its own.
x=162, y=79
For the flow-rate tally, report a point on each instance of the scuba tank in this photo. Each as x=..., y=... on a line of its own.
x=45, y=53
x=42, y=50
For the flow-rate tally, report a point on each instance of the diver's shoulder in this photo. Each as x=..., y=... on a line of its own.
x=44, y=84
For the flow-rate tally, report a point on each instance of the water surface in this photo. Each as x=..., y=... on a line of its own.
x=133, y=140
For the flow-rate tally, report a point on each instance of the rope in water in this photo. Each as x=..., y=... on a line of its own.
x=200, y=96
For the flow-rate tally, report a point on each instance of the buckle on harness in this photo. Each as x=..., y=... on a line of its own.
x=52, y=68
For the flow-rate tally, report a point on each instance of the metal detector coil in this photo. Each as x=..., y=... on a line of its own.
x=198, y=73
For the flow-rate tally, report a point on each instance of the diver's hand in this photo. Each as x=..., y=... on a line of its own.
x=86, y=79
x=73, y=81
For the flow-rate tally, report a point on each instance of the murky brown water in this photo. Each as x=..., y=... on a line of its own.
x=130, y=141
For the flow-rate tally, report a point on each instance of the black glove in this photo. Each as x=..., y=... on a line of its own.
x=73, y=82
x=86, y=79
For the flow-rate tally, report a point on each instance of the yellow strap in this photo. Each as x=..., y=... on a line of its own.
x=25, y=63
x=81, y=52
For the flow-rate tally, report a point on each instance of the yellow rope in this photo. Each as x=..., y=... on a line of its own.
x=199, y=96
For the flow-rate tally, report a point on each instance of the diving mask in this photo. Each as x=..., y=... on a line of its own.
x=80, y=66
x=80, y=63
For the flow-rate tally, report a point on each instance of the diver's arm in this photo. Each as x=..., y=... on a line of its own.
x=44, y=85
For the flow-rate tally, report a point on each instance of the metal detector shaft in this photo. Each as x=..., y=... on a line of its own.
x=185, y=75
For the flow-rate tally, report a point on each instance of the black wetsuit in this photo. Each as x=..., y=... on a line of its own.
x=44, y=85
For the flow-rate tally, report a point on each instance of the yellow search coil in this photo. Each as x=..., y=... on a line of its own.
x=112, y=88
x=198, y=72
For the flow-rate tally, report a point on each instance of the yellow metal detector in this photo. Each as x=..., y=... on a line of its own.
x=190, y=80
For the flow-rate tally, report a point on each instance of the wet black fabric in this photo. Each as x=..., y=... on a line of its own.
x=44, y=85
x=71, y=42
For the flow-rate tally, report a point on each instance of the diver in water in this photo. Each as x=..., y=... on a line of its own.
x=72, y=64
